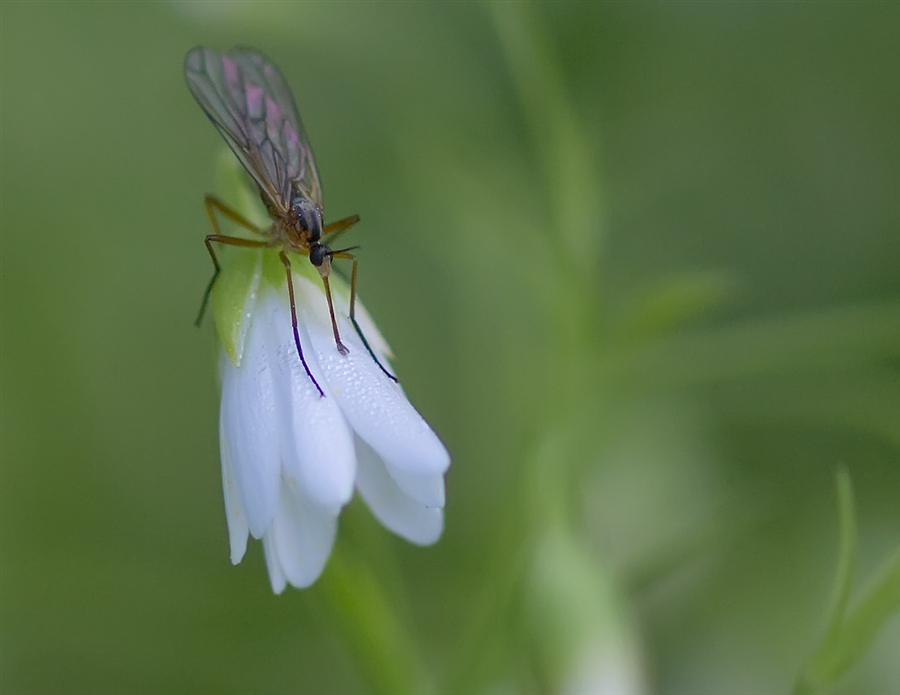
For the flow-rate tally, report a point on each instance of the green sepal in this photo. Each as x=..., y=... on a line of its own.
x=234, y=294
x=233, y=299
x=273, y=270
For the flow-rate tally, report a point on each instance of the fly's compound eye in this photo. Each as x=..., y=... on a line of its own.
x=317, y=254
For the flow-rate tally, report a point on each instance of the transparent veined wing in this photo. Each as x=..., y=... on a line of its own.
x=247, y=100
x=294, y=142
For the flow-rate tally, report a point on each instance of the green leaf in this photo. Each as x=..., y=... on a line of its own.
x=676, y=300
x=879, y=603
x=790, y=343
x=844, y=576
x=849, y=635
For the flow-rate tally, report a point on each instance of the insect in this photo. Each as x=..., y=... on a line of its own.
x=249, y=103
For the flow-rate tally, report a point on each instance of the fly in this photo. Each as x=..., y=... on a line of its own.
x=250, y=104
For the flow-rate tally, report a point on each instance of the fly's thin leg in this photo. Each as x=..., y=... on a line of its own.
x=335, y=229
x=351, y=257
x=337, y=336
x=228, y=241
x=212, y=203
x=290, y=283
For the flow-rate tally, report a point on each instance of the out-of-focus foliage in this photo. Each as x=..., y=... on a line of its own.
x=640, y=265
x=850, y=633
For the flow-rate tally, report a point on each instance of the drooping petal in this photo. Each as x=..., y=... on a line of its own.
x=249, y=432
x=370, y=330
x=276, y=575
x=375, y=406
x=425, y=489
x=318, y=458
x=398, y=512
x=234, y=514
x=302, y=536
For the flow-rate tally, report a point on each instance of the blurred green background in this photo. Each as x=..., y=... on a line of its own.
x=640, y=265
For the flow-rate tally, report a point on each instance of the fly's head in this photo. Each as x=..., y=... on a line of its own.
x=320, y=256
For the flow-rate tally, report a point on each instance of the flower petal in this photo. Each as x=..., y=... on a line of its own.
x=248, y=430
x=396, y=511
x=276, y=575
x=369, y=329
x=375, y=406
x=427, y=490
x=317, y=446
x=302, y=536
x=234, y=514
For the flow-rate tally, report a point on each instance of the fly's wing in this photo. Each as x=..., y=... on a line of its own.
x=248, y=102
x=285, y=125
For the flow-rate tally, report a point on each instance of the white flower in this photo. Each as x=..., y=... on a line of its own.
x=291, y=458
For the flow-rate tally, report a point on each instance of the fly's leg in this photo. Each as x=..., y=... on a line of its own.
x=212, y=204
x=353, y=259
x=334, y=327
x=290, y=283
x=335, y=229
x=330, y=233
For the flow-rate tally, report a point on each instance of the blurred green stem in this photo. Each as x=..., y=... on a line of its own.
x=565, y=152
x=542, y=499
x=382, y=644
x=571, y=193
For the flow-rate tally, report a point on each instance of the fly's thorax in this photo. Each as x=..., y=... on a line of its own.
x=307, y=219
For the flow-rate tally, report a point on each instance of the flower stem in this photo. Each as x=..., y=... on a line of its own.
x=382, y=645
